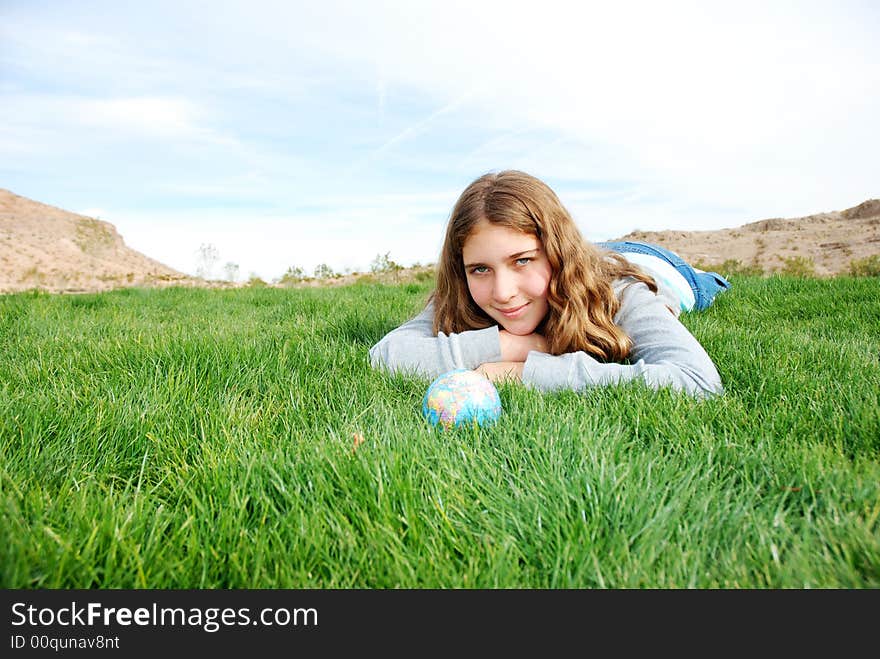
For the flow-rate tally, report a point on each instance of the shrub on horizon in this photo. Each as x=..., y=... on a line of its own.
x=324, y=271
x=732, y=268
x=294, y=275
x=383, y=264
x=798, y=266
x=866, y=267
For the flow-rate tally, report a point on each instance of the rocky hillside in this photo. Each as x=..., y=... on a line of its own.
x=824, y=244
x=51, y=249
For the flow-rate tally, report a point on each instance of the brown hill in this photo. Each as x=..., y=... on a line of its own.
x=825, y=244
x=46, y=248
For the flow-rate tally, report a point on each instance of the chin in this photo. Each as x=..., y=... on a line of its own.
x=521, y=330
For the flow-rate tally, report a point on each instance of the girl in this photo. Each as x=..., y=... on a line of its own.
x=521, y=295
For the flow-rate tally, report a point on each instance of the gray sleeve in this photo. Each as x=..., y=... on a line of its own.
x=414, y=348
x=664, y=353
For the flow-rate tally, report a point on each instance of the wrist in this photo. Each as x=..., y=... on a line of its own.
x=516, y=348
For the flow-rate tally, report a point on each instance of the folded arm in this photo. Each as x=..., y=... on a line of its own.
x=414, y=348
x=664, y=354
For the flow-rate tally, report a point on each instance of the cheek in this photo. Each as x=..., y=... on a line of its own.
x=539, y=285
x=480, y=291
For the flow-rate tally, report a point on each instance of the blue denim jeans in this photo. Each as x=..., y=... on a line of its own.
x=705, y=285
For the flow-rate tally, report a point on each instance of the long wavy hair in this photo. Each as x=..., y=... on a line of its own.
x=580, y=295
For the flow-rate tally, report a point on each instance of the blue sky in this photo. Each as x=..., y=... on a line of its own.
x=297, y=133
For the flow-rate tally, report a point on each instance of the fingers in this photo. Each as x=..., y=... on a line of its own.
x=501, y=371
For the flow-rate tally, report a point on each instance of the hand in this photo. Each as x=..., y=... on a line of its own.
x=516, y=348
x=501, y=371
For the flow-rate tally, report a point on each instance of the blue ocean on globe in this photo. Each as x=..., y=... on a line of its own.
x=460, y=397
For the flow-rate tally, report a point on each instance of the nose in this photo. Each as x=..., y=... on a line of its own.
x=504, y=287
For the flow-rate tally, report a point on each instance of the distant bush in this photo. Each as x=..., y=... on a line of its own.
x=294, y=275
x=383, y=264
x=256, y=282
x=206, y=256
x=324, y=271
x=92, y=235
x=798, y=266
x=383, y=267
x=732, y=268
x=231, y=271
x=866, y=267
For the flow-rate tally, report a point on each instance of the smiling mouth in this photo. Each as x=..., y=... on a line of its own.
x=510, y=313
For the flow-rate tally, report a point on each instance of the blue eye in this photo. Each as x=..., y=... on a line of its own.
x=479, y=270
x=525, y=260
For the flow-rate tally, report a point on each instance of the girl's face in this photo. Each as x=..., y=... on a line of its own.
x=507, y=275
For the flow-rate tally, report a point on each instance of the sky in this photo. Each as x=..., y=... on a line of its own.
x=293, y=134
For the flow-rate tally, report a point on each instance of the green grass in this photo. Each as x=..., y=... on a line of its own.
x=204, y=439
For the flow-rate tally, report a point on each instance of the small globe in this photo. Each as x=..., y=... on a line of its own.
x=460, y=397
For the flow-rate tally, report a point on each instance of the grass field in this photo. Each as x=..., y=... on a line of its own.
x=206, y=439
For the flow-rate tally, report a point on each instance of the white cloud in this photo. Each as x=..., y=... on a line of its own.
x=58, y=121
x=145, y=116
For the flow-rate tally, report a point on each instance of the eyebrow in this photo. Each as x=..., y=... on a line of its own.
x=512, y=257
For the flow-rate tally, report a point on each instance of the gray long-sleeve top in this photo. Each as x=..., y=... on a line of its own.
x=664, y=352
